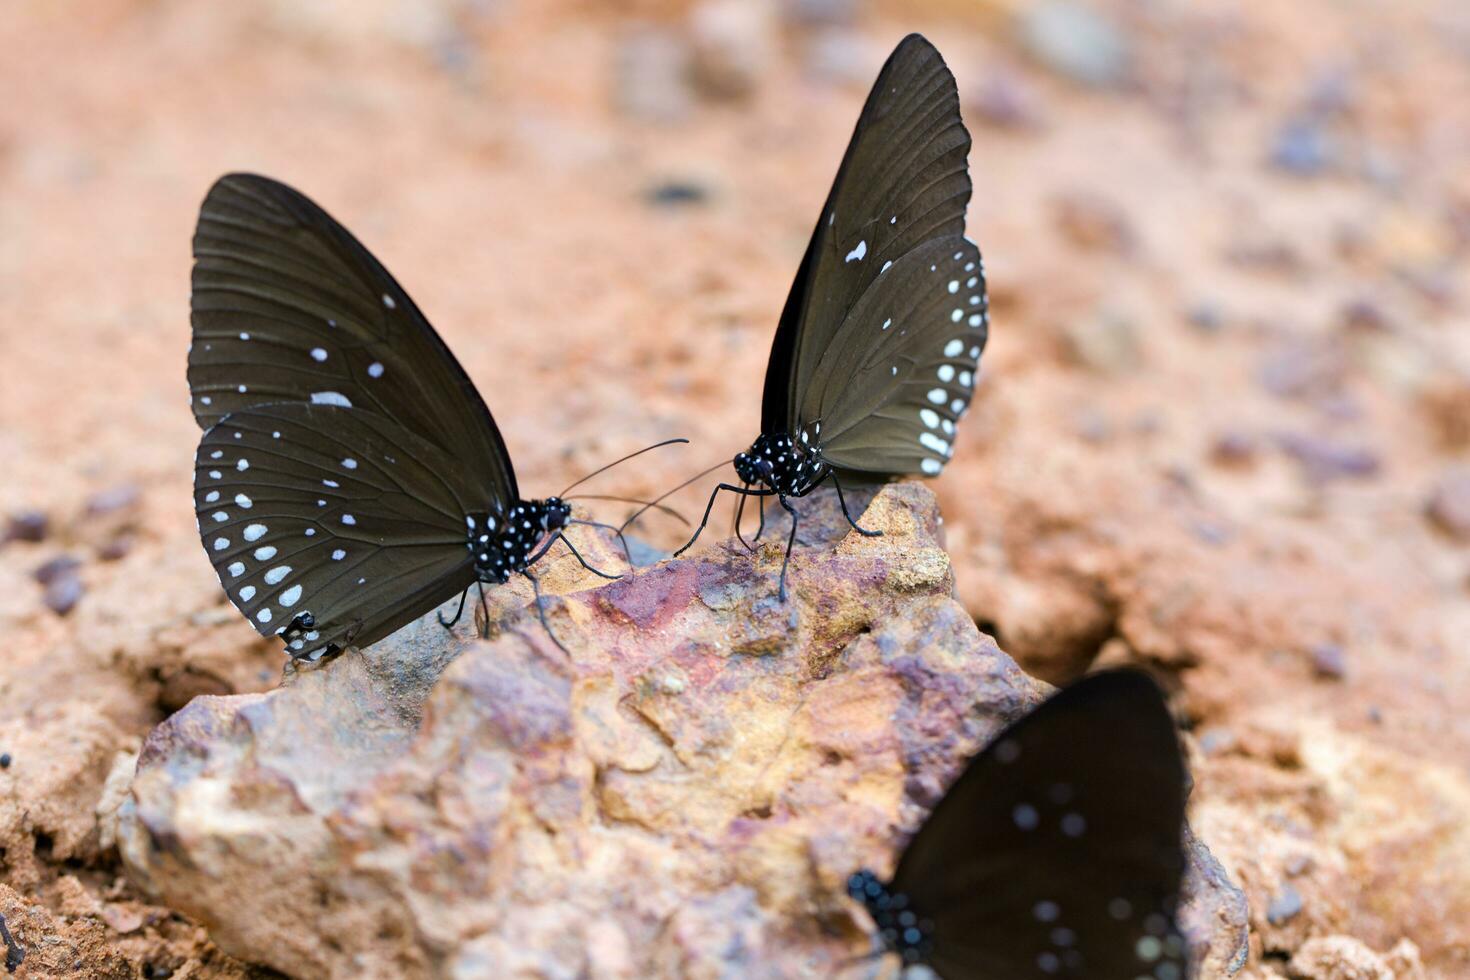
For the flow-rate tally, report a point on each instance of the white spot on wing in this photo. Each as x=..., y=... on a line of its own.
x=931, y=466
x=275, y=575
x=318, y=354
x=930, y=417
x=247, y=593
x=211, y=496
x=856, y=255
x=348, y=519
x=946, y=373
x=291, y=596
x=330, y=398
x=375, y=370
x=254, y=532
x=243, y=501
x=236, y=569
x=338, y=555
x=350, y=463
x=931, y=441
x=953, y=348
x=264, y=616
x=243, y=464
x=388, y=302
x=938, y=395
x=265, y=553
x=220, y=544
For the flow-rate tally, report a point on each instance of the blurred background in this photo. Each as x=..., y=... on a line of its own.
x=1223, y=429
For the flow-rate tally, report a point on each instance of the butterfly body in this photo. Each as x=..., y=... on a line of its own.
x=783, y=465
x=505, y=544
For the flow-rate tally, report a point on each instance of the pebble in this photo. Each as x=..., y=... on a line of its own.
x=27, y=525
x=1003, y=101
x=63, y=593
x=1205, y=316
x=116, y=548
x=56, y=568
x=1075, y=41
x=1233, y=449
x=673, y=193
x=1324, y=459
x=4, y=760
x=652, y=75
x=1448, y=506
x=732, y=47
x=1285, y=906
x=112, y=500
x=1303, y=148
x=1329, y=661
x=1092, y=222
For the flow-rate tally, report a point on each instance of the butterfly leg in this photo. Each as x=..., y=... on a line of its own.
x=761, y=527
x=622, y=540
x=710, y=506
x=843, y=501
x=578, y=555
x=790, y=541
x=541, y=612
x=449, y=624
x=739, y=514
x=482, y=613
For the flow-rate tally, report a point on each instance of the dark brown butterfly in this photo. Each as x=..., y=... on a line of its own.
x=1057, y=853
x=350, y=477
x=875, y=356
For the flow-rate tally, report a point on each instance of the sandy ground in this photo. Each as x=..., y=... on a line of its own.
x=1222, y=430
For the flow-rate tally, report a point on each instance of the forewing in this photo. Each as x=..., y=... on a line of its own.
x=334, y=511
x=287, y=306
x=1059, y=851
x=900, y=373
x=903, y=182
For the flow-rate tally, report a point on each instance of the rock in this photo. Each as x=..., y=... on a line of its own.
x=1448, y=506
x=26, y=525
x=1285, y=906
x=1233, y=448
x=1091, y=221
x=651, y=72
x=1324, y=459
x=59, y=567
x=683, y=796
x=1075, y=41
x=732, y=46
x=1346, y=958
x=63, y=593
x=1329, y=661
x=122, y=497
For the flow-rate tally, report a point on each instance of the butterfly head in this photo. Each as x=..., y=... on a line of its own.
x=777, y=463
x=556, y=513
x=902, y=929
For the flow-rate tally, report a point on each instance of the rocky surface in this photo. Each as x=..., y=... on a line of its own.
x=1223, y=410
x=684, y=796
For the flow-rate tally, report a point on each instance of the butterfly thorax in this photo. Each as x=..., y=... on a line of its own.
x=780, y=464
x=902, y=929
x=504, y=543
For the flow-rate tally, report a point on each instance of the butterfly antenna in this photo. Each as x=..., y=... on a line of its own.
x=604, y=469
x=662, y=508
x=669, y=493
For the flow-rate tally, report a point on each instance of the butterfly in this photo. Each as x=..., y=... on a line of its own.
x=1057, y=853
x=350, y=477
x=875, y=355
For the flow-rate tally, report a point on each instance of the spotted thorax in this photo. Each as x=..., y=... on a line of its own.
x=504, y=544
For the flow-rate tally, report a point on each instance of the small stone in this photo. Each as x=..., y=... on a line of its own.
x=675, y=193
x=4, y=760
x=116, y=548
x=1329, y=661
x=1448, y=507
x=63, y=594
x=1108, y=344
x=1303, y=148
x=1092, y=222
x=1301, y=369
x=27, y=525
x=1298, y=864
x=1003, y=101
x=732, y=46
x=1233, y=449
x=112, y=500
x=1285, y=906
x=1075, y=41
x=1205, y=316
x=652, y=75
x=1323, y=460
x=54, y=569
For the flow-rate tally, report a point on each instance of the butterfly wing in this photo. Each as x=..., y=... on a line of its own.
x=903, y=182
x=337, y=512
x=900, y=372
x=287, y=306
x=1059, y=850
